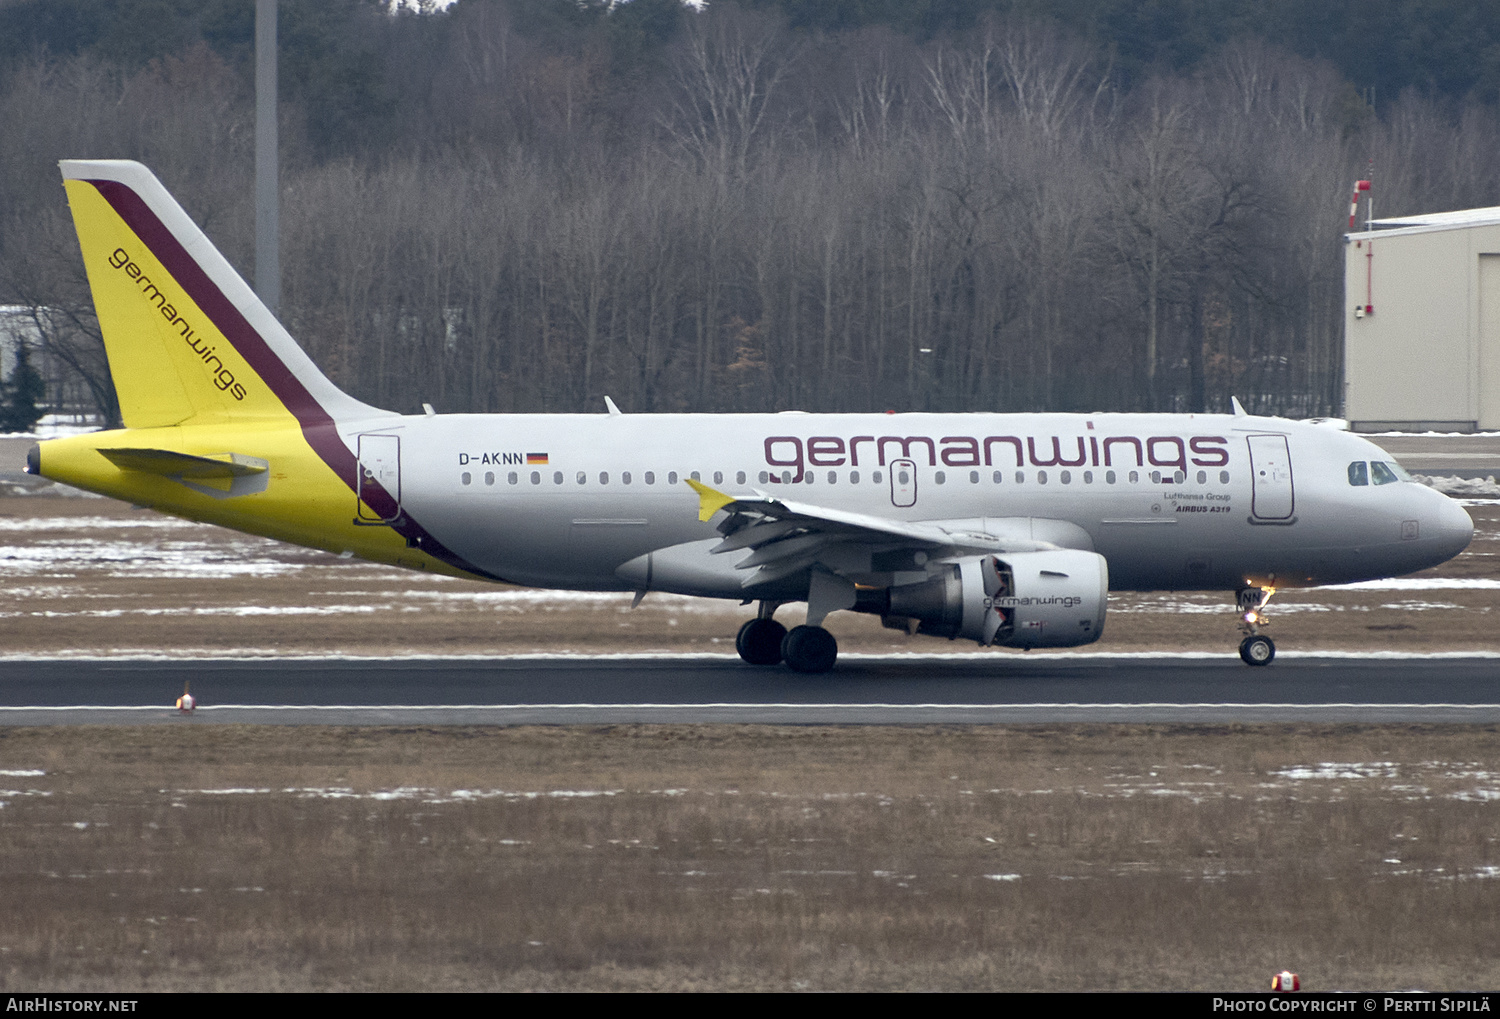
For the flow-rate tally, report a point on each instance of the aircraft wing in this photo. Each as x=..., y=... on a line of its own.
x=788, y=536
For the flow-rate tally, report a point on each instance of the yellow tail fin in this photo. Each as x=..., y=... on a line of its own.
x=187, y=339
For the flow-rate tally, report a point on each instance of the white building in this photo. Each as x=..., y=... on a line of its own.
x=1422, y=323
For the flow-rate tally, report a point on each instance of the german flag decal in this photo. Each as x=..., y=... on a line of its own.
x=536, y=458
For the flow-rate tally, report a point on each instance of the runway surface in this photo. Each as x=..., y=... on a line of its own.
x=928, y=689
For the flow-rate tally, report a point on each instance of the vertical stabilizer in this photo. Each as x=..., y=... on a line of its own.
x=188, y=340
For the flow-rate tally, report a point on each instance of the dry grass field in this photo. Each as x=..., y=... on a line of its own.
x=667, y=858
x=711, y=857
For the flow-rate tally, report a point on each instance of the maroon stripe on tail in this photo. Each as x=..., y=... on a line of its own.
x=317, y=425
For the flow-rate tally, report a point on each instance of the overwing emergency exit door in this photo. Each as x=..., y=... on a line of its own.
x=379, y=482
x=903, y=482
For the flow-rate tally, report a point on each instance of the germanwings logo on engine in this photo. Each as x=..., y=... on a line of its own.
x=998, y=450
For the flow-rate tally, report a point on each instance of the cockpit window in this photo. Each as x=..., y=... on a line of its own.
x=1357, y=473
x=1385, y=473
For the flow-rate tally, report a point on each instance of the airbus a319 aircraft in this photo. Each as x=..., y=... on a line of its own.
x=1003, y=529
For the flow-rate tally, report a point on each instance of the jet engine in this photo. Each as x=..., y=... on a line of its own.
x=1054, y=598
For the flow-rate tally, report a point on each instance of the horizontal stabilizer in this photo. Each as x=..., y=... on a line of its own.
x=184, y=465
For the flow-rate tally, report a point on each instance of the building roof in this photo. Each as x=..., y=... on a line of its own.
x=1455, y=220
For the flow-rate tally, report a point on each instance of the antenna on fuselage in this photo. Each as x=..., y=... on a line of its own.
x=1239, y=410
x=614, y=411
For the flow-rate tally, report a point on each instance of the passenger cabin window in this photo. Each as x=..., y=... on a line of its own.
x=739, y=478
x=1358, y=475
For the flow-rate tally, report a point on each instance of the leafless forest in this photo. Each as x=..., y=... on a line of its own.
x=744, y=216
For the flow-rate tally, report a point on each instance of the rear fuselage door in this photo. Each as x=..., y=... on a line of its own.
x=904, y=482
x=1271, y=497
x=379, y=484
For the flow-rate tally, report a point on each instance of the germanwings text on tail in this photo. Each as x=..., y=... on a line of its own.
x=1004, y=529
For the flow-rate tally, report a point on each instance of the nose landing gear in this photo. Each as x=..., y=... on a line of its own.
x=1256, y=648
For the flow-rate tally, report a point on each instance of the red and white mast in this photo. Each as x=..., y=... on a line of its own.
x=1363, y=187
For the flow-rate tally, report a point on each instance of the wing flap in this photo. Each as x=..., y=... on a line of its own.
x=789, y=536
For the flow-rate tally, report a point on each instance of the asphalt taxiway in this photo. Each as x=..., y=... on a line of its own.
x=926, y=689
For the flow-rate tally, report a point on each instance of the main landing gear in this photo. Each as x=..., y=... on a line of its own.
x=1256, y=648
x=764, y=641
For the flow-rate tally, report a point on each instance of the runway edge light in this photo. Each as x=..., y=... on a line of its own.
x=186, y=703
x=1286, y=980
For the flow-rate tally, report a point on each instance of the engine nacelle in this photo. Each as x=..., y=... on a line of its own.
x=1055, y=598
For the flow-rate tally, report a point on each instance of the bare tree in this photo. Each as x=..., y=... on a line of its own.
x=1051, y=77
x=725, y=77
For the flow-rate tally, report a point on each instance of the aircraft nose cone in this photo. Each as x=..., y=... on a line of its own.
x=1454, y=527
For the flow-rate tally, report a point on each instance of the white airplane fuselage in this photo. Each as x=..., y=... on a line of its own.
x=575, y=519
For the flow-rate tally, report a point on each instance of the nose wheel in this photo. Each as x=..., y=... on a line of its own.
x=1256, y=648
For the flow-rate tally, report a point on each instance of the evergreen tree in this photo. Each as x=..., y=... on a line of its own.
x=19, y=394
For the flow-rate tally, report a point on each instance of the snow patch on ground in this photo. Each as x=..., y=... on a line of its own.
x=1473, y=488
x=1330, y=770
x=1420, y=584
x=422, y=794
